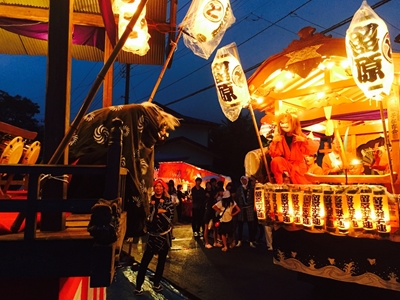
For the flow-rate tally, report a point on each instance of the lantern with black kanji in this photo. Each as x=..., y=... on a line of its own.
x=369, y=53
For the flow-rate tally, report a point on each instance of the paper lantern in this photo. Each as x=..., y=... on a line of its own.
x=137, y=41
x=230, y=81
x=369, y=53
x=205, y=25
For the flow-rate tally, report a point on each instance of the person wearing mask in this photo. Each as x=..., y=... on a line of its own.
x=245, y=200
x=159, y=225
x=198, y=208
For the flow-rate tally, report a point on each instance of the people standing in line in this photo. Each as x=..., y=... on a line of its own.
x=159, y=225
x=209, y=215
x=198, y=208
x=181, y=197
x=245, y=200
x=227, y=209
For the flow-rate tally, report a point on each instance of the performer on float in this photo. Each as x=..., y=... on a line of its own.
x=312, y=165
x=332, y=162
x=288, y=148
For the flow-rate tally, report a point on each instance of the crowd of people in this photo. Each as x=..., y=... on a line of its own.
x=220, y=212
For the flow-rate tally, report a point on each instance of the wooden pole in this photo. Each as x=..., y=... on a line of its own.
x=259, y=141
x=165, y=66
x=96, y=85
x=387, y=145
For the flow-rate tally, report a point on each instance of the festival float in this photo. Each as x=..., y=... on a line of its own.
x=343, y=226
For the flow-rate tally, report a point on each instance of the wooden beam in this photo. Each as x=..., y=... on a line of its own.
x=344, y=108
x=327, y=87
x=85, y=19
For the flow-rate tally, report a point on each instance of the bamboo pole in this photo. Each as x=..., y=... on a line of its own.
x=259, y=141
x=96, y=85
x=387, y=145
x=165, y=66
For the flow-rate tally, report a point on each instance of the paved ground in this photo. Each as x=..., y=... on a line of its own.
x=194, y=272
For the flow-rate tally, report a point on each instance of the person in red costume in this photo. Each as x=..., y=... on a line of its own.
x=288, y=148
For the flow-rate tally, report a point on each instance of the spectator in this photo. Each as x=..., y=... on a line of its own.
x=227, y=209
x=209, y=215
x=180, y=196
x=198, y=208
x=245, y=201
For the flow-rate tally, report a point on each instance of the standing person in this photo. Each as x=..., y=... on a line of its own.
x=209, y=215
x=245, y=201
x=181, y=196
x=227, y=209
x=159, y=225
x=198, y=208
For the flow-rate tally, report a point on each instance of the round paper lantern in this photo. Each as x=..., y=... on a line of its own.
x=230, y=82
x=369, y=52
x=205, y=24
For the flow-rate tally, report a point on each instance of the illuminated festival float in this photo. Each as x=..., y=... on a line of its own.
x=342, y=225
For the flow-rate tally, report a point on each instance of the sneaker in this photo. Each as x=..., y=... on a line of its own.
x=208, y=246
x=158, y=288
x=252, y=245
x=195, y=234
x=138, y=292
x=239, y=244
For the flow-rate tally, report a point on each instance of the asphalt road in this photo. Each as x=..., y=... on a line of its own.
x=194, y=272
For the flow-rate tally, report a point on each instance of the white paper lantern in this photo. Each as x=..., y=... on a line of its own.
x=137, y=41
x=205, y=25
x=230, y=81
x=369, y=53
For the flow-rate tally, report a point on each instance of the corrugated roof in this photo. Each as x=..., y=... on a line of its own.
x=86, y=12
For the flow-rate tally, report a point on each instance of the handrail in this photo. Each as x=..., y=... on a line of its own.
x=33, y=204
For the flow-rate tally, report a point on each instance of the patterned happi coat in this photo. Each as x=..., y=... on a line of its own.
x=141, y=127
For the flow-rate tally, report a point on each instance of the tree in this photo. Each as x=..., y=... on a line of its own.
x=231, y=142
x=20, y=111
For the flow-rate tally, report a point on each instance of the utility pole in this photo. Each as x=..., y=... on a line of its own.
x=127, y=79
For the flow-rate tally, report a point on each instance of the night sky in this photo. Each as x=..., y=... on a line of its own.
x=262, y=28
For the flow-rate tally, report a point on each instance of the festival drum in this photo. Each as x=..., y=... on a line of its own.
x=254, y=165
x=30, y=153
x=11, y=150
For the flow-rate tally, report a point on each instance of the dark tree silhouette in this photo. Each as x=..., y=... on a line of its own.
x=231, y=142
x=20, y=111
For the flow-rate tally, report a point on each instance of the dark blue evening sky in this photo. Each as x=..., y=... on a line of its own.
x=262, y=28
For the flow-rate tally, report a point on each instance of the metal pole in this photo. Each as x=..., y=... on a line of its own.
x=96, y=85
x=165, y=66
x=387, y=146
x=259, y=141
x=127, y=80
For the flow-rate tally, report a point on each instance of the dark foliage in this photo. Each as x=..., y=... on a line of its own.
x=231, y=142
x=20, y=111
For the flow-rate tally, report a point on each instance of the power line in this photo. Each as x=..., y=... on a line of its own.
x=258, y=64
